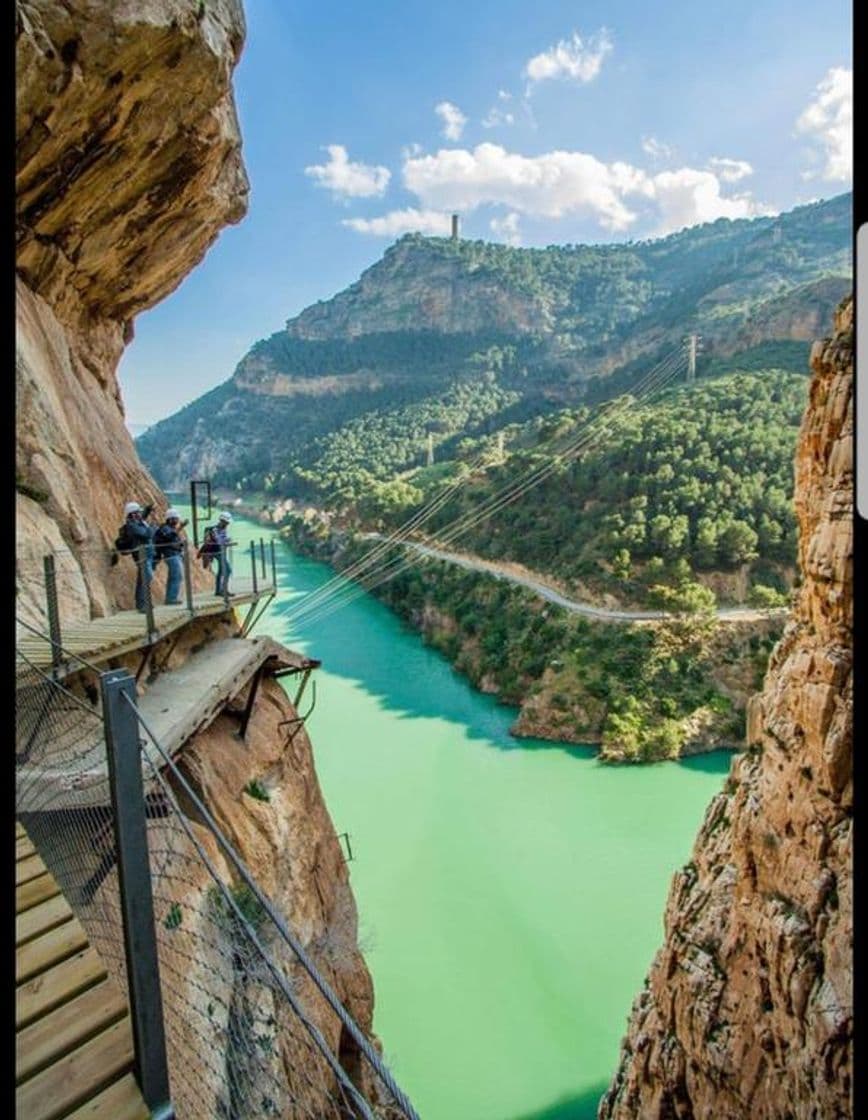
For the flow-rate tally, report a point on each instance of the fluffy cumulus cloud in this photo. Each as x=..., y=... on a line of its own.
x=453, y=119
x=506, y=229
x=549, y=185
x=574, y=59
x=346, y=179
x=730, y=170
x=403, y=221
x=828, y=121
x=560, y=183
x=688, y=197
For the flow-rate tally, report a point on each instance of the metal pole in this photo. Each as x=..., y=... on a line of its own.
x=195, y=512
x=188, y=578
x=150, y=625
x=262, y=556
x=136, y=898
x=53, y=611
x=224, y=559
x=273, y=566
x=253, y=566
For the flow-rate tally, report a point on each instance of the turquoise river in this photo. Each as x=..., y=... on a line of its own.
x=510, y=892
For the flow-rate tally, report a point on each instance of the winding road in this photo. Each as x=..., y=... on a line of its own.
x=537, y=585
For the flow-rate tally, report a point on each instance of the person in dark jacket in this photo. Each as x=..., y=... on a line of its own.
x=137, y=534
x=169, y=546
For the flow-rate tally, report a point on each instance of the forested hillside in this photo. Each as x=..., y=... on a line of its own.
x=453, y=339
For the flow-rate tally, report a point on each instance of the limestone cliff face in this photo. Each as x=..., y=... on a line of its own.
x=415, y=289
x=128, y=166
x=747, y=1010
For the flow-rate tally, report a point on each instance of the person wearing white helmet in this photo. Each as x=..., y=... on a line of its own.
x=224, y=568
x=135, y=539
x=169, y=546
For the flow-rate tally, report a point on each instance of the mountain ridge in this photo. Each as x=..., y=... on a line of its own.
x=552, y=325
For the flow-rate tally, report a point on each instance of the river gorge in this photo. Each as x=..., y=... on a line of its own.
x=510, y=892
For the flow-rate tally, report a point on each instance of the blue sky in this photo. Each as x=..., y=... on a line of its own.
x=541, y=123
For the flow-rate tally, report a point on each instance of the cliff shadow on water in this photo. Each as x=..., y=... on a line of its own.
x=581, y=1107
x=365, y=643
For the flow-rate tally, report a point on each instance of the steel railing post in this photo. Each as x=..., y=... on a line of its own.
x=273, y=566
x=136, y=895
x=253, y=566
x=141, y=561
x=53, y=611
x=262, y=557
x=188, y=579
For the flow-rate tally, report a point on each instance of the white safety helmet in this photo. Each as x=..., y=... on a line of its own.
x=170, y=513
x=227, y=517
x=132, y=507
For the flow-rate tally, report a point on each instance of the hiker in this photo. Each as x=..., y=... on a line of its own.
x=220, y=535
x=169, y=545
x=134, y=536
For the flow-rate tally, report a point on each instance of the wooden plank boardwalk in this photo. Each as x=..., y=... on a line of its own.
x=73, y=1042
x=177, y=705
x=103, y=638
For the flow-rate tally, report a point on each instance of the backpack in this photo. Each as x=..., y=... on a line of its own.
x=209, y=547
x=164, y=542
x=124, y=541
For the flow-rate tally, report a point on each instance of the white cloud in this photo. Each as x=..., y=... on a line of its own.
x=412, y=149
x=453, y=119
x=496, y=117
x=506, y=228
x=828, y=121
x=403, y=221
x=346, y=179
x=549, y=185
x=688, y=197
x=560, y=183
x=730, y=170
x=656, y=149
x=575, y=59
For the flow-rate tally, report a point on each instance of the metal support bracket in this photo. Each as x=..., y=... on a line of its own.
x=251, y=700
x=349, y=856
x=297, y=722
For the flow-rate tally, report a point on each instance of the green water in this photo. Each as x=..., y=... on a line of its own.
x=510, y=892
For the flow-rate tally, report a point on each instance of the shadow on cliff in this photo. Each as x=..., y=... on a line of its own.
x=582, y=1107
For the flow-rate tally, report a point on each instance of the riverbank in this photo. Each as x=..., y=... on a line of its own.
x=659, y=688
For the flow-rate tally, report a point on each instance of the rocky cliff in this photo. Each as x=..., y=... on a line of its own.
x=747, y=1009
x=128, y=166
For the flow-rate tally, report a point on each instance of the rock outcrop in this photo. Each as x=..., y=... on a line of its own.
x=747, y=1010
x=128, y=165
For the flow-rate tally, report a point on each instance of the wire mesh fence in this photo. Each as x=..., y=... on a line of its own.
x=252, y=1029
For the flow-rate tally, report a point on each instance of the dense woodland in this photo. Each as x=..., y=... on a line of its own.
x=698, y=479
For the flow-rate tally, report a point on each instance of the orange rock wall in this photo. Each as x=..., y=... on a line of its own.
x=746, y=1013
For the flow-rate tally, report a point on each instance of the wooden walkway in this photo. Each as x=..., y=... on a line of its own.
x=103, y=638
x=73, y=1041
x=177, y=705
